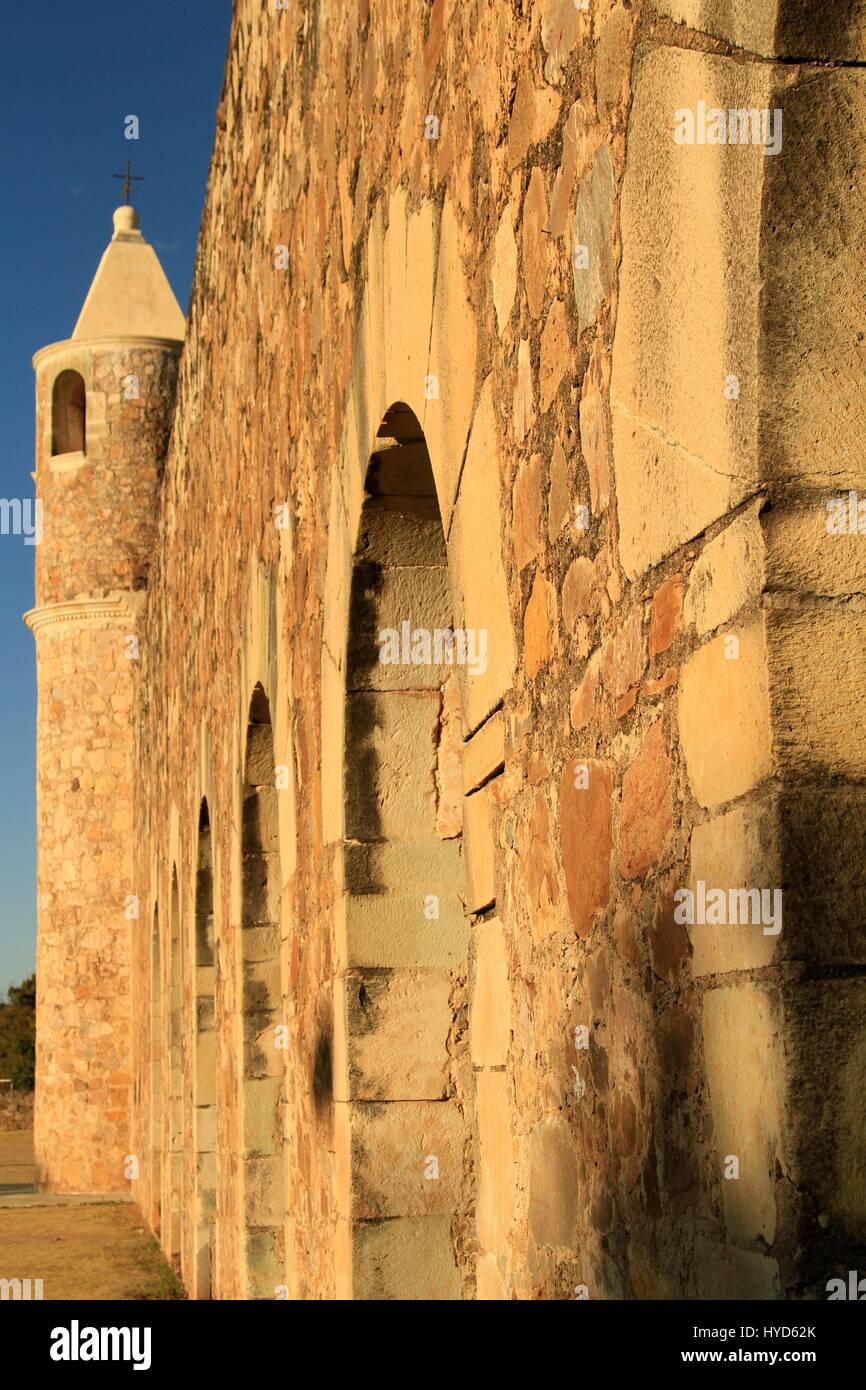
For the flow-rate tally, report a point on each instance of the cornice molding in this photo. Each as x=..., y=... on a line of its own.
x=113, y=344
x=89, y=610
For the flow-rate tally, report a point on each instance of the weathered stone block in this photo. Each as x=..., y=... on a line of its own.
x=817, y=677
x=490, y=1009
x=780, y=28
x=261, y=1114
x=406, y=1159
x=477, y=572
x=745, y=1074
x=554, y=1192
x=646, y=815
x=585, y=837
x=728, y=575
x=484, y=753
x=391, y=929
x=407, y=1258
x=390, y=742
x=396, y=1027
x=738, y=850
x=493, y=1116
x=724, y=715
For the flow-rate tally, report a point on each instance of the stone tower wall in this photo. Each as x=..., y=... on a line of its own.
x=98, y=532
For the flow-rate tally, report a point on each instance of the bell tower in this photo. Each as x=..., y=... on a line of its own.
x=104, y=401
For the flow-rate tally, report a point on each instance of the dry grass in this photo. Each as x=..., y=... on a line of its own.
x=79, y=1252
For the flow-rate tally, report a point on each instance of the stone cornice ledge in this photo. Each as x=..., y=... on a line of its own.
x=88, y=610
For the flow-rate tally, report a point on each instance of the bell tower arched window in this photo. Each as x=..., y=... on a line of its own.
x=68, y=414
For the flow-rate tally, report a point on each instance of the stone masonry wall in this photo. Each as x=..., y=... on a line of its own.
x=639, y=373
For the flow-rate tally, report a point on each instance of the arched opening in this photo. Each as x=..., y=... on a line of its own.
x=205, y=1102
x=263, y=1042
x=402, y=1096
x=156, y=1076
x=68, y=414
x=173, y=1244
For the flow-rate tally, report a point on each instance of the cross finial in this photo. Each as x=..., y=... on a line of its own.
x=128, y=178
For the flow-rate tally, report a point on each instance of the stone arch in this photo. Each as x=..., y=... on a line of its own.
x=401, y=1100
x=68, y=414
x=416, y=306
x=156, y=1027
x=205, y=1073
x=176, y=1069
x=263, y=1065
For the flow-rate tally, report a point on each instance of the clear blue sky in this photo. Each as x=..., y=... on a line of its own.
x=69, y=74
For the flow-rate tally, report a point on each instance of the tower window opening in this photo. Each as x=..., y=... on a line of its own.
x=68, y=414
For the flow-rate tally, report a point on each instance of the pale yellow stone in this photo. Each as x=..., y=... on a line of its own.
x=477, y=571
x=745, y=1076
x=740, y=849
x=391, y=929
x=776, y=27
x=406, y=1158
x=504, y=270
x=396, y=1028
x=410, y=1258
x=478, y=837
x=724, y=715
x=727, y=575
x=495, y=1175
x=484, y=753
x=524, y=394
x=490, y=1011
x=803, y=556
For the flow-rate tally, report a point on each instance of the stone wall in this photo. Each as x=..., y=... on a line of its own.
x=636, y=367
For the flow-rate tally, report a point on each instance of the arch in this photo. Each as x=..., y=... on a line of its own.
x=68, y=414
x=172, y=1239
x=263, y=1063
x=156, y=1025
x=205, y=1073
x=401, y=991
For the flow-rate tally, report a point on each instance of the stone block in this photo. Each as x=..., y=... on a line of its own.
x=780, y=28
x=728, y=575
x=392, y=930
x=495, y=1178
x=817, y=675
x=396, y=1025
x=393, y=1149
x=408, y=1258
x=554, y=1192
x=740, y=849
x=744, y=1057
x=585, y=838
x=646, y=814
x=261, y=1114
x=825, y=1132
x=390, y=754
x=477, y=572
x=484, y=753
x=490, y=1007
x=479, y=847
x=684, y=453
x=724, y=715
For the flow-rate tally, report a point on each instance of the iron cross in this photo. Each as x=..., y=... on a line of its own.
x=128, y=178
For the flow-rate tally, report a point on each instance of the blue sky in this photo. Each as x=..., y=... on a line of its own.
x=69, y=74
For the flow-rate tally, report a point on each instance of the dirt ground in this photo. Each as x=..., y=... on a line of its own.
x=79, y=1252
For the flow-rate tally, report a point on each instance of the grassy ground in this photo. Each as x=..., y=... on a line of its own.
x=79, y=1252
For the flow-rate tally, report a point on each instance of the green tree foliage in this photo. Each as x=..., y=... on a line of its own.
x=18, y=1034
